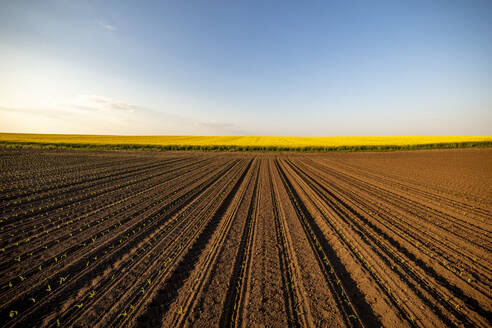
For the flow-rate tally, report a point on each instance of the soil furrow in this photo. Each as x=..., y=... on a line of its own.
x=252, y=239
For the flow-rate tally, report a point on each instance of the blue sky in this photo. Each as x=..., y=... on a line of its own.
x=306, y=68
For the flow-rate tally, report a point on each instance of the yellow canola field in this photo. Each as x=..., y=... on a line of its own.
x=290, y=142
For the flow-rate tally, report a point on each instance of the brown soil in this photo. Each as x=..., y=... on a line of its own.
x=107, y=238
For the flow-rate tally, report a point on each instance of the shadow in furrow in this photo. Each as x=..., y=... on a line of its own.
x=234, y=287
x=366, y=313
x=458, y=292
x=166, y=295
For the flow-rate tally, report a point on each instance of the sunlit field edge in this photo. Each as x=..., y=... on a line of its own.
x=240, y=143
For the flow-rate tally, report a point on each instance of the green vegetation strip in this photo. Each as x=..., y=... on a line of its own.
x=234, y=148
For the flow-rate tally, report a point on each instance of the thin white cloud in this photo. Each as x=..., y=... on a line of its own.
x=99, y=103
x=108, y=27
x=53, y=113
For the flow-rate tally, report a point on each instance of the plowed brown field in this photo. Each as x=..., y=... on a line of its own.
x=140, y=239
